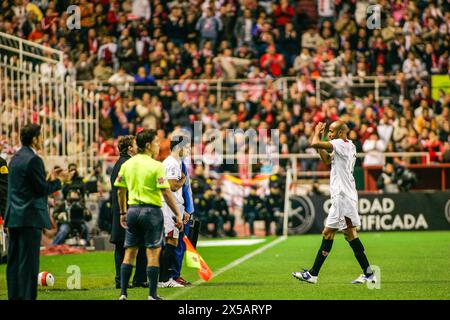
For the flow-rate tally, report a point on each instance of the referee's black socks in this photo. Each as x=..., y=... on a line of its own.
x=152, y=275
x=125, y=274
x=360, y=255
x=322, y=254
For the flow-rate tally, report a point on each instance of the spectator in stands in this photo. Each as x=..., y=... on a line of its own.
x=433, y=145
x=345, y=25
x=243, y=29
x=141, y=9
x=180, y=112
x=374, y=147
x=401, y=130
x=444, y=132
x=425, y=120
x=385, y=128
x=107, y=51
x=209, y=28
x=413, y=69
x=304, y=143
x=443, y=118
x=288, y=42
x=150, y=111
x=326, y=11
x=102, y=72
x=76, y=182
x=127, y=56
x=311, y=39
x=84, y=67
x=284, y=13
x=387, y=181
x=446, y=153
x=231, y=66
x=272, y=62
x=121, y=79
x=344, y=82
x=108, y=147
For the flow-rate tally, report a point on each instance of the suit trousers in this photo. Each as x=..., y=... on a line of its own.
x=23, y=263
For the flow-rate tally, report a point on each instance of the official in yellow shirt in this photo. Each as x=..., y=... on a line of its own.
x=145, y=181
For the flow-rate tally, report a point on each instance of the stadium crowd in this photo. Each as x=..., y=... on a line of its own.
x=157, y=65
x=149, y=44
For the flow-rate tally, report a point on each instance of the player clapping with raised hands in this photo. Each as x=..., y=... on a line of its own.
x=343, y=214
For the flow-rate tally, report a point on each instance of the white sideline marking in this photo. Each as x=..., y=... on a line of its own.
x=226, y=243
x=230, y=266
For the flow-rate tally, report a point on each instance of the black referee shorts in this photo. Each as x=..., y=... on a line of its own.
x=145, y=227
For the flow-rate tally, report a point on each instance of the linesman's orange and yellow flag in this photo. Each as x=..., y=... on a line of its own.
x=194, y=260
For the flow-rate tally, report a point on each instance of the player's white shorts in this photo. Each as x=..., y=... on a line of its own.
x=170, y=230
x=343, y=213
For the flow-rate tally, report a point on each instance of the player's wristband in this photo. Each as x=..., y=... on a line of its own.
x=123, y=213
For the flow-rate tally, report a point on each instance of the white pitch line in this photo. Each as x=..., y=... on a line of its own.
x=230, y=266
x=228, y=243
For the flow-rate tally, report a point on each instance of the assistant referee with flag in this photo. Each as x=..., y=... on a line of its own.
x=145, y=180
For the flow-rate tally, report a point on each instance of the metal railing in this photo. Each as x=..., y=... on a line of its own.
x=28, y=51
x=324, y=87
x=293, y=159
x=193, y=88
x=68, y=115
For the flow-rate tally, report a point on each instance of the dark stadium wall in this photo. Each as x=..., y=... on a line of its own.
x=379, y=212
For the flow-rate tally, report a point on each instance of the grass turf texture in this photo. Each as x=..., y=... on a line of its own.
x=414, y=265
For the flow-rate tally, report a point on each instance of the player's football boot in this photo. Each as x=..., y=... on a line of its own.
x=170, y=284
x=305, y=276
x=183, y=282
x=155, y=298
x=123, y=297
x=363, y=279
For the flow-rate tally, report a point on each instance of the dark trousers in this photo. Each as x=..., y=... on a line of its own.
x=23, y=263
x=250, y=217
x=140, y=273
x=179, y=252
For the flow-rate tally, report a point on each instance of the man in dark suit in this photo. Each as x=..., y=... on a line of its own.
x=3, y=197
x=127, y=148
x=3, y=186
x=27, y=213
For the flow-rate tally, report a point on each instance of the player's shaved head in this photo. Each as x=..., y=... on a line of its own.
x=338, y=129
x=340, y=126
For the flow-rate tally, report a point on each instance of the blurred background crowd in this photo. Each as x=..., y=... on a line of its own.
x=147, y=57
x=155, y=64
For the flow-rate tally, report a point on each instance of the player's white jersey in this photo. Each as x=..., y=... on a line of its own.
x=343, y=160
x=173, y=171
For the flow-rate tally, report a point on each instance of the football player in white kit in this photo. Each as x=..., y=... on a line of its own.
x=343, y=214
x=179, y=146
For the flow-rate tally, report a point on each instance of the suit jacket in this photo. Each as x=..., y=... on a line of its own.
x=117, y=232
x=3, y=185
x=28, y=191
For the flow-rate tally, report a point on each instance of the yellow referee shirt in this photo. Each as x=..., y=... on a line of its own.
x=144, y=178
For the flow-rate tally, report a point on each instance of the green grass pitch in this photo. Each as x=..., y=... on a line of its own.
x=413, y=265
